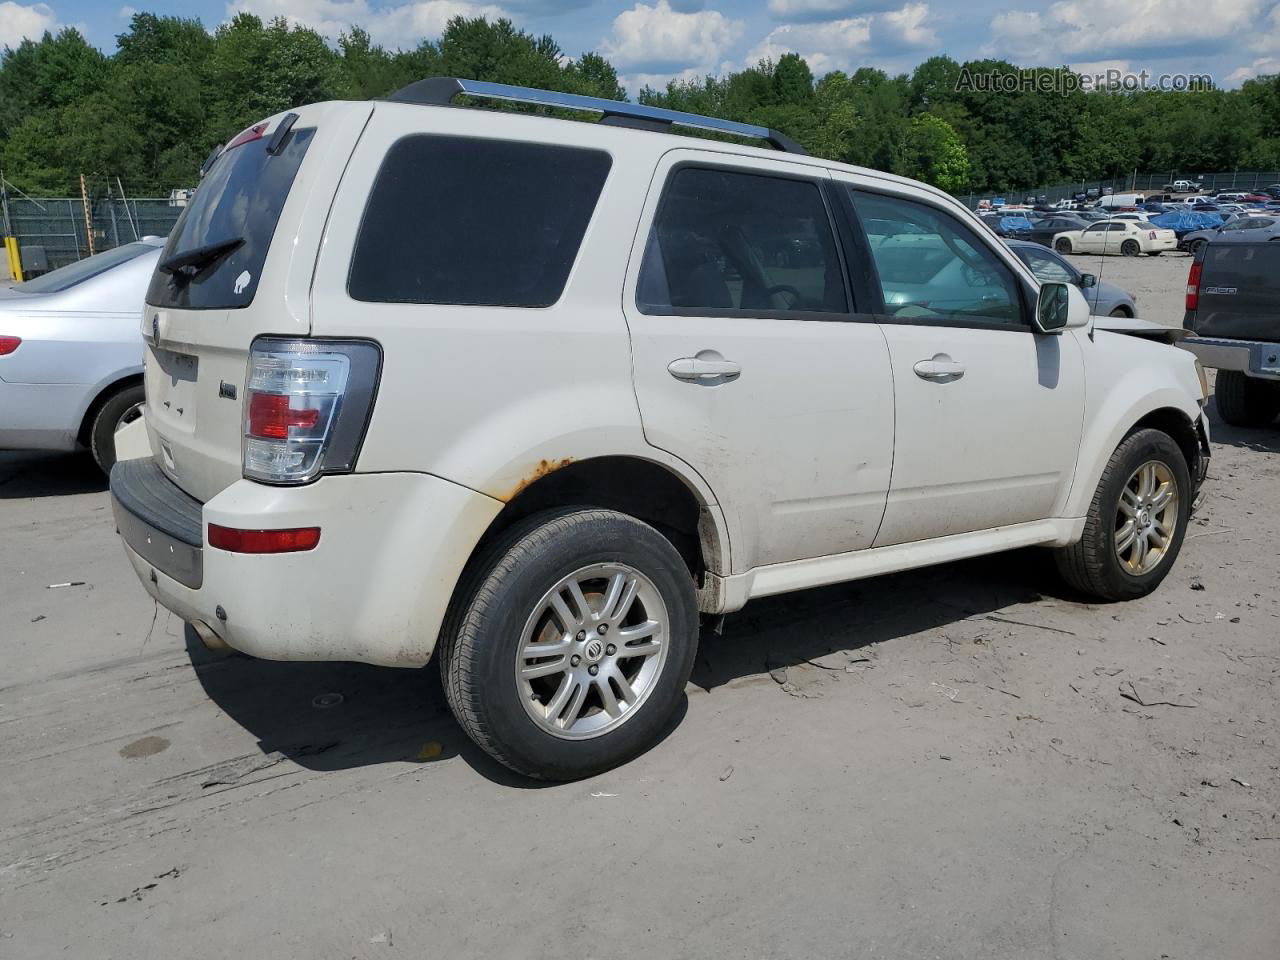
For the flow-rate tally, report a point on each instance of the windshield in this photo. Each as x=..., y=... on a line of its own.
x=227, y=227
x=64, y=278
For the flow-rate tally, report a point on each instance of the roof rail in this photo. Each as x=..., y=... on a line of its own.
x=441, y=91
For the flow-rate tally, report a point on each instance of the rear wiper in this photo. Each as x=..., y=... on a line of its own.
x=198, y=258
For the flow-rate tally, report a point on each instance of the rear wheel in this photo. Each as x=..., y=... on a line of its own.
x=570, y=644
x=1062, y=245
x=119, y=410
x=1119, y=312
x=1245, y=401
x=1130, y=248
x=1136, y=522
x=1197, y=246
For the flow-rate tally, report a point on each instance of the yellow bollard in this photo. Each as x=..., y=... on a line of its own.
x=15, y=258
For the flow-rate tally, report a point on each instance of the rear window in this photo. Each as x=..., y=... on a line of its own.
x=240, y=199
x=64, y=278
x=463, y=220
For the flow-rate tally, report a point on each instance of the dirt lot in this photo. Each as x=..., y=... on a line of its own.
x=959, y=763
x=1158, y=283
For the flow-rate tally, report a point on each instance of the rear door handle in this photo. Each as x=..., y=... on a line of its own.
x=940, y=367
x=702, y=369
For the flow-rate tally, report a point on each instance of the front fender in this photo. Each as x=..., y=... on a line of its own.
x=1126, y=379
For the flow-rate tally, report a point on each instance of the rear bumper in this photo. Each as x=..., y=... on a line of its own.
x=1257, y=358
x=375, y=589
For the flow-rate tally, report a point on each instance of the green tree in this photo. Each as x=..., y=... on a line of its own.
x=934, y=153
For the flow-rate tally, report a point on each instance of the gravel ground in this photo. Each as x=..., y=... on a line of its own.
x=1157, y=283
x=960, y=762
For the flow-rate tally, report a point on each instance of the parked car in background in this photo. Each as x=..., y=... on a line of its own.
x=1182, y=186
x=1233, y=313
x=71, y=353
x=1046, y=228
x=1237, y=230
x=1009, y=225
x=1105, y=299
x=1117, y=200
x=1141, y=216
x=468, y=415
x=1126, y=238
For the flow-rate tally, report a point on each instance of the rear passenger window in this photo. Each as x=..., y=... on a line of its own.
x=729, y=243
x=463, y=220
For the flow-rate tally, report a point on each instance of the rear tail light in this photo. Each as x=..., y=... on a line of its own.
x=235, y=540
x=1193, y=285
x=306, y=407
x=8, y=345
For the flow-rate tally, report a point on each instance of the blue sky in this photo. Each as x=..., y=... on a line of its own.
x=653, y=40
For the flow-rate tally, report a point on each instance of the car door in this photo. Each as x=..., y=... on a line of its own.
x=1092, y=239
x=751, y=361
x=988, y=412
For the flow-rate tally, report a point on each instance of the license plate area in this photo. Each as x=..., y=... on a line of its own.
x=172, y=388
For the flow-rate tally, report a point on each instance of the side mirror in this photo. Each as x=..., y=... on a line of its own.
x=1088, y=280
x=1060, y=306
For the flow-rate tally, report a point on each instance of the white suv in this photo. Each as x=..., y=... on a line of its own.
x=535, y=393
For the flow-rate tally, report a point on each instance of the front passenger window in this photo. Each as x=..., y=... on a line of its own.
x=933, y=267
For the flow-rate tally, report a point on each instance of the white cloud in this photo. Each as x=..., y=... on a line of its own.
x=398, y=25
x=799, y=11
x=659, y=38
x=851, y=42
x=126, y=13
x=20, y=22
x=1263, y=66
x=1106, y=29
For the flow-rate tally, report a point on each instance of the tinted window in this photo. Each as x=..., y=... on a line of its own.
x=1045, y=265
x=942, y=272
x=741, y=242
x=66, y=277
x=465, y=220
x=240, y=199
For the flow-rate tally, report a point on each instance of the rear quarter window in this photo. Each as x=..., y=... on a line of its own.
x=475, y=221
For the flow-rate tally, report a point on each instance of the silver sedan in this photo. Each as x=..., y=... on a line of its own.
x=71, y=353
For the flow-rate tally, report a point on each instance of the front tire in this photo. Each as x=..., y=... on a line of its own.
x=1244, y=401
x=570, y=643
x=119, y=410
x=1062, y=245
x=1136, y=522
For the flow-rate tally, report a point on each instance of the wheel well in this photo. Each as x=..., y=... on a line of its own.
x=1176, y=425
x=105, y=394
x=639, y=488
x=1122, y=311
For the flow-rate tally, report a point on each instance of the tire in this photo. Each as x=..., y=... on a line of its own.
x=1093, y=566
x=121, y=408
x=1130, y=248
x=503, y=607
x=1119, y=312
x=1197, y=246
x=1062, y=245
x=1244, y=401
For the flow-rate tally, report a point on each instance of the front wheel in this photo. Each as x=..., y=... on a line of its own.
x=570, y=644
x=1136, y=522
x=1062, y=245
x=1130, y=248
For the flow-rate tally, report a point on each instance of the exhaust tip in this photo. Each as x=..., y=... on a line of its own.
x=210, y=639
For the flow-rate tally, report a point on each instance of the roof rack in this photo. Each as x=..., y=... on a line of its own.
x=441, y=91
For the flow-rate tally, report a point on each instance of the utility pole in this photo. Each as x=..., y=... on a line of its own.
x=88, y=221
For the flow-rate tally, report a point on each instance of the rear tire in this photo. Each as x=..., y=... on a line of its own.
x=119, y=410
x=1119, y=312
x=1105, y=564
x=1062, y=245
x=518, y=595
x=1197, y=246
x=1130, y=248
x=1244, y=401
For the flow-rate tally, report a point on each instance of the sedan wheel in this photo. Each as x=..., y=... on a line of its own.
x=1130, y=248
x=1147, y=518
x=1062, y=245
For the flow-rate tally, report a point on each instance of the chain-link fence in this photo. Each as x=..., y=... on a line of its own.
x=1242, y=180
x=52, y=232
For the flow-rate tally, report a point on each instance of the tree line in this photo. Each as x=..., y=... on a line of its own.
x=151, y=111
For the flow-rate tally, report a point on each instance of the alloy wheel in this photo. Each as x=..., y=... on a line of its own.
x=592, y=651
x=1146, y=518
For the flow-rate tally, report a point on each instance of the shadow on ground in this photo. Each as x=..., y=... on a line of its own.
x=384, y=715
x=1262, y=439
x=26, y=475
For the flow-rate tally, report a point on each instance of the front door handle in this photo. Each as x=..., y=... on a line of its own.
x=940, y=368
x=704, y=369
